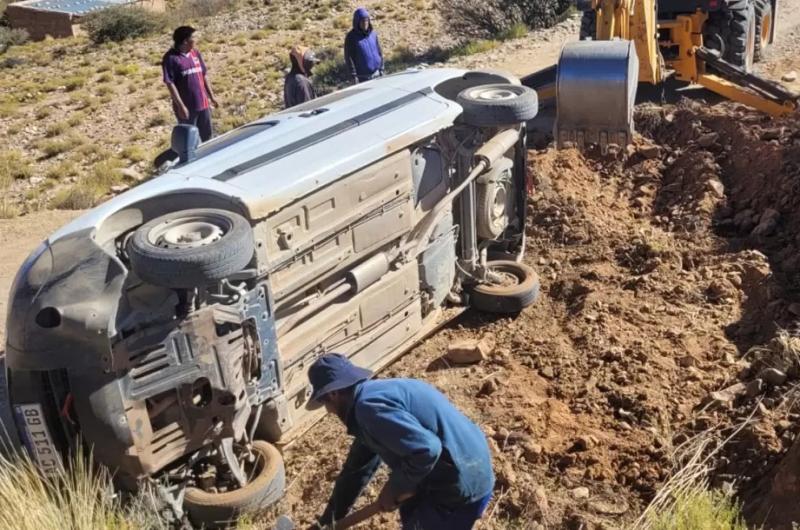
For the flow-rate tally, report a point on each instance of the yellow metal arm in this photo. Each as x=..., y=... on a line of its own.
x=736, y=93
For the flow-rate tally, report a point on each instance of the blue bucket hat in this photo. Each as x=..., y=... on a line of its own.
x=333, y=371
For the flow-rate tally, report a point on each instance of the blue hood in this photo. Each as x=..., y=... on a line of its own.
x=360, y=14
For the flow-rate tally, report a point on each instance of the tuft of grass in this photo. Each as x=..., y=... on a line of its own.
x=64, y=169
x=74, y=82
x=54, y=147
x=516, y=31
x=134, y=153
x=9, y=109
x=76, y=118
x=43, y=112
x=13, y=166
x=79, y=497
x=158, y=120
x=473, y=47
x=56, y=129
x=126, y=69
x=701, y=509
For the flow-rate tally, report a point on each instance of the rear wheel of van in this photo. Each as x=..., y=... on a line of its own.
x=191, y=248
x=266, y=487
x=497, y=105
x=514, y=287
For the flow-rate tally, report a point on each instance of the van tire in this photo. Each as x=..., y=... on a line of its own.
x=218, y=510
x=159, y=256
x=497, y=105
x=511, y=298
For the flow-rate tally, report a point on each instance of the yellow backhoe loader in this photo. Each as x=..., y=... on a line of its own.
x=711, y=43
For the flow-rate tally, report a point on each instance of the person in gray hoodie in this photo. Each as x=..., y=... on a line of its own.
x=297, y=87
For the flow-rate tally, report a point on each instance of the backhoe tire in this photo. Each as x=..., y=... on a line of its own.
x=741, y=37
x=588, y=25
x=191, y=248
x=219, y=510
x=497, y=105
x=765, y=18
x=519, y=292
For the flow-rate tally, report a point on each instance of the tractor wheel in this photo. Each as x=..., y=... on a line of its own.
x=765, y=18
x=588, y=25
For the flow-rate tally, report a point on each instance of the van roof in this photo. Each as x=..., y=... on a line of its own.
x=273, y=161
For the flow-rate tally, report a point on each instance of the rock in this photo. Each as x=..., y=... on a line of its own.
x=725, y=397
x=488, y=388
x=547, y=372
x=708, y=139
x=686, y=361
x=470, y=351
x=609, y=508
x=754, y=388
x=769, y=214
x=794, y=308
x=772, y=376
x=580, y=493
x=119, y=188
x=650, y=151
x=132, y=174
x=584, y=443
x=772, y=134
x=540, y=499
x=506, y=476
x=716, y=187
x=532, y=451
x=789, y=77
x=765, y=228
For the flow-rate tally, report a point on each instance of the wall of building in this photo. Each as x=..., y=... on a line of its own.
x=39, y=23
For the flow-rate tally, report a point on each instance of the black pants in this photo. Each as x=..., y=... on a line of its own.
x=202, y=120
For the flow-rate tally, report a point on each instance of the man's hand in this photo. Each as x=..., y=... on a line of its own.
x=183, y=112
x=214, y=102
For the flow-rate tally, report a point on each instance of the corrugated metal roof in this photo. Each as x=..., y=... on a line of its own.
x=76, y=7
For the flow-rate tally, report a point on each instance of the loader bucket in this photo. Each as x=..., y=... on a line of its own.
x=595, y=93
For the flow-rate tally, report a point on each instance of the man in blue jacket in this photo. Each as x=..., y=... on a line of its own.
x=362, y=51
x=441, y=470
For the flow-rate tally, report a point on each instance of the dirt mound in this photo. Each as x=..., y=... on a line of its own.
x=661, y=266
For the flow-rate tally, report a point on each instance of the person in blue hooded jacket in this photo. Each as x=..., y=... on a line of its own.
x=362, y=51
x=440, y=466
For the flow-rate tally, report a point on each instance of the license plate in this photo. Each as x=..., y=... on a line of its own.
x=37, y=439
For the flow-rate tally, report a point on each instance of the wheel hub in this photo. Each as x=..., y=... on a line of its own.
x=493, y=94
x=186, y=233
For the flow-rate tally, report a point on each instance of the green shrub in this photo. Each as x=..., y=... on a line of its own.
x=56, y=129
x=495, y=18
x=126, y=69
x=12, y=37
x=118, y=23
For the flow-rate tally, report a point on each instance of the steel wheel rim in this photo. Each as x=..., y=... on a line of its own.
x=188, y=232
x=493, y=94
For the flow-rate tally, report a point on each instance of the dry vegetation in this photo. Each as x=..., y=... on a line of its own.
x=74, y=112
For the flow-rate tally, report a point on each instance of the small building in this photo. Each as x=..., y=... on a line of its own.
x=60, y=18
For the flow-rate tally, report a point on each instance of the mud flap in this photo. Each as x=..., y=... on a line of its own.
x=595, y=93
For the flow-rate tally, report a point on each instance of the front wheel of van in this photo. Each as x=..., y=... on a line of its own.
x=510, y=288
x=265, y=487
x=191, y=248
x=497, y=105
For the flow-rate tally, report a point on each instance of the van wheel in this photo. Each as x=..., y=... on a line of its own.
x=191, y=248
x=218, y=510
x=497, y=105
x=517, y=289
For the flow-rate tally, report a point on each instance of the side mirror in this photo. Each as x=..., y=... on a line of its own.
x=185, y=139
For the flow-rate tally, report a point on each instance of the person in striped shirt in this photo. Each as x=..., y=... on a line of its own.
x=185, y=75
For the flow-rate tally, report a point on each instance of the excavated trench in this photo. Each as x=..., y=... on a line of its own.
x=662, y=265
